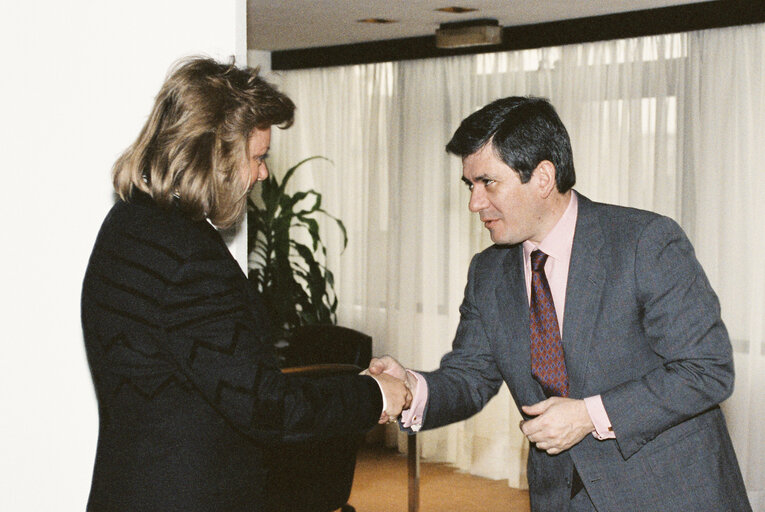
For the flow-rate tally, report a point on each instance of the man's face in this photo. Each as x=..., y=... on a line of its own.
x=509, y=209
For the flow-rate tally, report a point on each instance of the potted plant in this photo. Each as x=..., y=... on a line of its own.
x=296, y=286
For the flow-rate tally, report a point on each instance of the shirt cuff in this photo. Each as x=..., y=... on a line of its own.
x=412, y=417
x=384, y=401
x=599, y=417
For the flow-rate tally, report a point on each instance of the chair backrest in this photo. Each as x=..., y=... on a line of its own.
x=323, y=344
x=316, y=475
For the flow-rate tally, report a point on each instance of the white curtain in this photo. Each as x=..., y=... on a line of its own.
x=725, y=197
x=668, y=123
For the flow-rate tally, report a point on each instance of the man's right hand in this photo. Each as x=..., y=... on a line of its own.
x=397, y=396
x=386, y=365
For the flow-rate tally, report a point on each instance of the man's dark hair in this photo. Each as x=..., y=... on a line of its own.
x=523, y=131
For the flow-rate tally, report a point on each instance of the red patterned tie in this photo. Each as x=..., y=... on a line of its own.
x=547, y=363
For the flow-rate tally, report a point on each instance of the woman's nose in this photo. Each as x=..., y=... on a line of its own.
x=262, y=171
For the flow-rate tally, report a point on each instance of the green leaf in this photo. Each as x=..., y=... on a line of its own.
x=292, y=170
x=291, y=277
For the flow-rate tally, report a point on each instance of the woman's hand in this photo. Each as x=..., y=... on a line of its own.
x=397, y=396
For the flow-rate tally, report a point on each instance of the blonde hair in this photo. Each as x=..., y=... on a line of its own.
x=191, y=150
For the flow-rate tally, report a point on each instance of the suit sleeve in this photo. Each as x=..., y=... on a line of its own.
x=681, y=321
x=211, y=334
x=467, y=377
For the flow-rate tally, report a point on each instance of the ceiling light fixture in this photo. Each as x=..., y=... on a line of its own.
x=461, y=34
x=456, y=10
x=376, y=20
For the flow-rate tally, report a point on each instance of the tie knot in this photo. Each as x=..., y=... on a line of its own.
x=538, y=259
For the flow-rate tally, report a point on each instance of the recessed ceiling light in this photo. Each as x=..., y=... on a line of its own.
x=376, y=20
x=456, y=10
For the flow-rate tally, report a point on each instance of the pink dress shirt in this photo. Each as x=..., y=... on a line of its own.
x=557, y=245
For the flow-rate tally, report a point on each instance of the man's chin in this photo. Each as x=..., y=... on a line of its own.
x=499, y=239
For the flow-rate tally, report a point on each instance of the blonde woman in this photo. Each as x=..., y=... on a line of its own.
x=188, y=390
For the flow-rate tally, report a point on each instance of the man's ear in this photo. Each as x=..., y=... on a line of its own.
x=544, y=173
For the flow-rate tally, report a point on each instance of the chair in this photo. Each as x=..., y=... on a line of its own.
x=317, y=475
x=321, y=344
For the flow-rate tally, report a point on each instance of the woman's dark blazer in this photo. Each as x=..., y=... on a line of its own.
x=188, y=390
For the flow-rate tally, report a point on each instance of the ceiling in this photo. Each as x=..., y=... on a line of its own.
x=291, y=24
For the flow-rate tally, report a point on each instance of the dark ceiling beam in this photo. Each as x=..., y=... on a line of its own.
x=665, y=20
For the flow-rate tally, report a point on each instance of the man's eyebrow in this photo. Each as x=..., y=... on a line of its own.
x=476, y=179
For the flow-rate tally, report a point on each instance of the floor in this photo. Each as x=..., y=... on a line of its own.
x=380, y=485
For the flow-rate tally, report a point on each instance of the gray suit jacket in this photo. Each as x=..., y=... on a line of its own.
x=642, y=328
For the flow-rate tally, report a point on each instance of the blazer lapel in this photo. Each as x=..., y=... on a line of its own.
x=586, y=279
x=513, y=332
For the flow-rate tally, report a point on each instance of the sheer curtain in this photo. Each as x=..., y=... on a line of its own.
x=725, y=195
x=654, y=124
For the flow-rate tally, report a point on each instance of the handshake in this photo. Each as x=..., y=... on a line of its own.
x=397, y=384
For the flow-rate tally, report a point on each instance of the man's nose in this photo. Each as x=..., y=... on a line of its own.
x=477, y=199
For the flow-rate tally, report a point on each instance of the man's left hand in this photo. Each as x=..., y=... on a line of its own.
x=560, y=423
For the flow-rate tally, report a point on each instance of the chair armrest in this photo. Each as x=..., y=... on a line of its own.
x=322, y=370
x=319, y=344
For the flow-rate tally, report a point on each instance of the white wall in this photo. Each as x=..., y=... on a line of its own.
x=77, y=80
x=259, y=58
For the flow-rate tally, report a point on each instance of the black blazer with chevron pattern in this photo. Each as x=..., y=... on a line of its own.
x=188, y=390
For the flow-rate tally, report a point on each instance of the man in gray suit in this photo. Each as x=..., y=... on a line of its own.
x=600, y=320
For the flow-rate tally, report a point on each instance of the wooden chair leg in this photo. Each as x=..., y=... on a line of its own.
x=413, y=467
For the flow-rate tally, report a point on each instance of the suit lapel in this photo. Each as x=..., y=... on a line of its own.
x=586, y=279
x=513, y=332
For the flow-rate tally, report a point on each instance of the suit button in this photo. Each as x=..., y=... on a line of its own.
x=643, y=441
